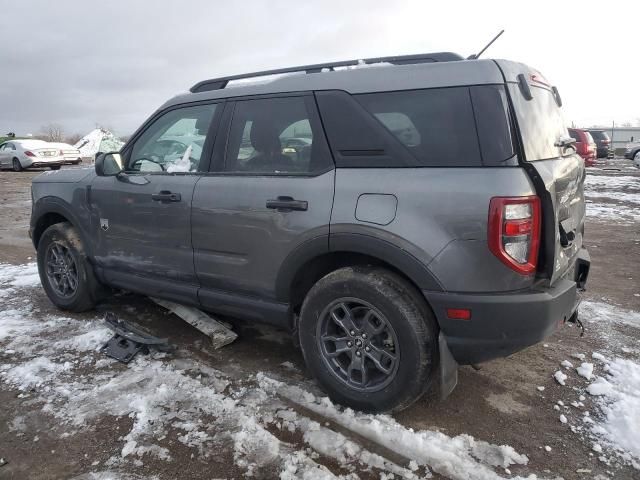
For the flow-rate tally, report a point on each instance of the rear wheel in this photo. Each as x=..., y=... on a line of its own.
x=369, y=339
x=636, y=159
x=17, y=166
x=55, y=167
x=65, y=273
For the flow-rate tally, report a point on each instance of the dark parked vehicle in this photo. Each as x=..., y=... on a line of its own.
x=432, y=216
x=585, y=145
x=632, y=152
x=603, y=142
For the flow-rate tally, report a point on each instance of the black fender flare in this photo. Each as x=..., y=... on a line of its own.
x=357, y=243
x=56, y=205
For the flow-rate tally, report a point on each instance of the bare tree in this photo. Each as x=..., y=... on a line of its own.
x=73, y=138
x=52, y=133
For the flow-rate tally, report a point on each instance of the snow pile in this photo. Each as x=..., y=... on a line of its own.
x=98, y=140
x=585, y=370
x=619, y=401
x=560, y=377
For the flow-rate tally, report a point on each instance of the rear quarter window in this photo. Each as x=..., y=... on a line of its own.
x=437, y=126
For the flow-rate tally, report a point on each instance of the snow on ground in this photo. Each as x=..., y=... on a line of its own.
x=54, y=362
x=612, y=382
x=611, y=182
x=609, y=196
x=611, y=212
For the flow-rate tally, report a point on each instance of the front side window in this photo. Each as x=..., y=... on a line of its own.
x=275, y=136
x=174, y=142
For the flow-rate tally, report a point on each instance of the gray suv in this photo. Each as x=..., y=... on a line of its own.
x=399, y=220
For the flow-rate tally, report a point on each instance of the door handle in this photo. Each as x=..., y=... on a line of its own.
x=166, y=196
x=287, y=204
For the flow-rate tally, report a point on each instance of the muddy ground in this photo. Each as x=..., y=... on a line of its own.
x=500, y=403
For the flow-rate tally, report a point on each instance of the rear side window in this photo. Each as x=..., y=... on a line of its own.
x=437, y=125
x=276, y=136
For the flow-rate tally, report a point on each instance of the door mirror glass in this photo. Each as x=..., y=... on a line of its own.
x=108, y=164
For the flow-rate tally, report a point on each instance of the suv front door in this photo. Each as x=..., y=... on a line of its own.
x=269, y=194
x=142, y=217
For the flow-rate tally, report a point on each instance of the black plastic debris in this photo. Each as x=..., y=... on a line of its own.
x=128, y=340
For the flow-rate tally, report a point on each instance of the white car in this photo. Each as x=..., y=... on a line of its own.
x=21, y=154
x=70, y=153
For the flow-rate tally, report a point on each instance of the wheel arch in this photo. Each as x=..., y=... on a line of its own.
x=50, y=211
x=318, y=257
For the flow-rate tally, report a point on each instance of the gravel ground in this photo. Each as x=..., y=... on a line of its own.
x=66, y=426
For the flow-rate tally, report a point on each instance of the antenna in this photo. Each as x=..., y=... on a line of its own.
x=477, y=55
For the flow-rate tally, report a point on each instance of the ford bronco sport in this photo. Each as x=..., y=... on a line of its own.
x=399, y=220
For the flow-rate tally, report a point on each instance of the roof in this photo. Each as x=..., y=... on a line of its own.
x=30, y=142
x=360, y=79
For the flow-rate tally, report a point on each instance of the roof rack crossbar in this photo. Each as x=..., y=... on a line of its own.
x=220, y=83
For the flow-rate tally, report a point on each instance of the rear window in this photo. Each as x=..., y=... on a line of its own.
x=599, y=135
x=541, y=123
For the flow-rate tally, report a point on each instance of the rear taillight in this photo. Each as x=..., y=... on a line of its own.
x=514, y=232
x=29, y=154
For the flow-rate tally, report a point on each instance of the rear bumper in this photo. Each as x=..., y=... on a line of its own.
x=502, y=324
x=44, y=163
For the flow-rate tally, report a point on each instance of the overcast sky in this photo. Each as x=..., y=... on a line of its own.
x=79, y=63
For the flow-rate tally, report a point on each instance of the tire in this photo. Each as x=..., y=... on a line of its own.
x=17, y=166
x=409, y=351
x=55, y=167
x=636, y=159
x=61, y=241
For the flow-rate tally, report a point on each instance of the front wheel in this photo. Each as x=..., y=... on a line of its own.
x=369, y=339
x=17, y=166
x=65, y=273
x=55, y=167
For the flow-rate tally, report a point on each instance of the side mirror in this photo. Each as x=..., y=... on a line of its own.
x=108, y=164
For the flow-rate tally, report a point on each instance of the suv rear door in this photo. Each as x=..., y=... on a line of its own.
x=557, y=172
x=270, y=193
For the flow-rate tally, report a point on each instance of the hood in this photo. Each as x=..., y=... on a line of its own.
x=71, y=175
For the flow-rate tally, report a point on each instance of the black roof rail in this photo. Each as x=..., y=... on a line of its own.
x=219, y=83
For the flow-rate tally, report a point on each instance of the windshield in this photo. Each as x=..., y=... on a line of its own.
x=541, y=123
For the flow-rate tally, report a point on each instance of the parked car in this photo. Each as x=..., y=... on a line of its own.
x=632, y=152
x=393, y=252
x=71, y=154
x=603, y=142
x=585, y=145
x=21, y=154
